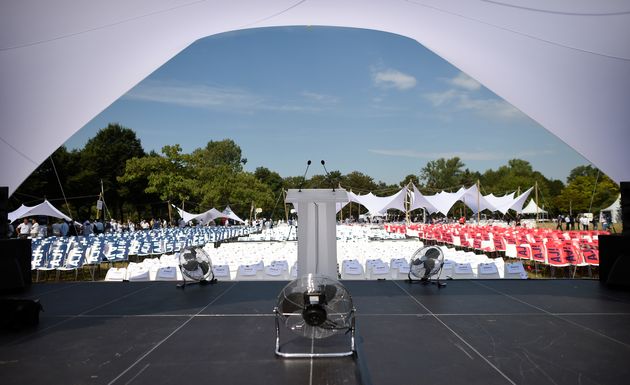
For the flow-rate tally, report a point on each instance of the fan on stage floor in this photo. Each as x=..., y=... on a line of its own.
x=315, y=307
x=426, y=265
x=195, y=266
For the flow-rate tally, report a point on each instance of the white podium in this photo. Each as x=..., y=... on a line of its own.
x=317, y=229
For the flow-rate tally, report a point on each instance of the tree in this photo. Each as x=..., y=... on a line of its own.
x=270, y=178
x=587, y=170
x=358, y=183
x=103, y=159
x=583, y=186
x=170, y=176
x=43, y=183
x=224, y=153
x=411, y=178
x=442, y=174
x=517, y=176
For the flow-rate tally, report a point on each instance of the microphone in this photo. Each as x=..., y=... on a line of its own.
x=327, y=173
x=308, y=164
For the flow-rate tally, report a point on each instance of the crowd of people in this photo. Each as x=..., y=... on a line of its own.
x=31, y=228
x=582, y=222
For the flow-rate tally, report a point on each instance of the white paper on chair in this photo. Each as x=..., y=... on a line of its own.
x=116, y=274
x=404, y=269
x=274, y=271
x=448, y=264
x=380, y=269
x=396, y=263
x=248, y=270
x=167, y=272
x=221, y=271
x=515, y=268
x=487, y=268
x=353, y=270
x=463, y=268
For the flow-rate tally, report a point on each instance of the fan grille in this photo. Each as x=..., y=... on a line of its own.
x=426, y=262
x=315, y=306
x=195, y=265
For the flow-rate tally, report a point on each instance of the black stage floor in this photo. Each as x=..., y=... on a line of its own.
x=471, y=332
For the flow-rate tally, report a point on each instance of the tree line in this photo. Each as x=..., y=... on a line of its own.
x=136, y=184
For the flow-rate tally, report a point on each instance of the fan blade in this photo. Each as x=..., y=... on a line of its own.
x=330, y=291
x=293, y=302
x=191, y=265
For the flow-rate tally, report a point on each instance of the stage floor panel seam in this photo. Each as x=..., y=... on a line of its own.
x=157, y=345
x=40, y=331
x=558, y=316
x=493, y=366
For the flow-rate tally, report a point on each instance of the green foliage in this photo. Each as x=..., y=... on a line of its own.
x=411, y=178
x=442, y=174
x=584, y=185
x=137, y=184
x=270, y=178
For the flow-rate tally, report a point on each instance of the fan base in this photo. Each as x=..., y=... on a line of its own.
x=203, y=282
x=343, y=353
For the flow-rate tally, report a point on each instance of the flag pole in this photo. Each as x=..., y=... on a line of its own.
x=536, y=196
x=478, y=211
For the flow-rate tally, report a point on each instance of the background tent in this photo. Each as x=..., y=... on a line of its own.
x=43, y=209
x=379, y=205
x=614, y=210
x=228, y=213
x=532, y=208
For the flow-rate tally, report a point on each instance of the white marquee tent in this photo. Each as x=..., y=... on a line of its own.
x=614, y=210
x=229, y=214
x=442, y=202
x=565, y=63
x=44, y=209
x=532, y=208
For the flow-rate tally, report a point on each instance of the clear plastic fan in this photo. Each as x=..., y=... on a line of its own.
x=315, y=306
x=426, y=262
x=195, y=265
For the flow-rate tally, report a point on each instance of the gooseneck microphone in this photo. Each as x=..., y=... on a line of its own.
x=308, y=164
x=327, y=174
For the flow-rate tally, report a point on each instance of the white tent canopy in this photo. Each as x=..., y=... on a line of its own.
x=532, y=208
x=565, y=64
x=228, y=213
x=204, y=217
x=442, y=202
x=379, y=205
x=44, y=209
x=615, y=210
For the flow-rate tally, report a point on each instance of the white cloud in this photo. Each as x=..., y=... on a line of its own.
x=464, y=81
x=462, y=100
x=320, y=98
x=194, y=95
x=214, y=97
x=394, y=79
x=441, y=98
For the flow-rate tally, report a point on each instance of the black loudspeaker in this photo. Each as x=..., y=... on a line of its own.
x=624, y=189
x=614, y=260
x=4, y=206
x=19, y=313
x=15, y=265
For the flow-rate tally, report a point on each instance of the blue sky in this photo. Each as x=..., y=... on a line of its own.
x=362, y=100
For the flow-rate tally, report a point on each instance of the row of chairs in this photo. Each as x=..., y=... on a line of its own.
x=63, y=254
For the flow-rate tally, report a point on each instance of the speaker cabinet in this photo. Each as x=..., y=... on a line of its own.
x=614, y=260
x=4, y=205
x=624, y=188
x=15, y=265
